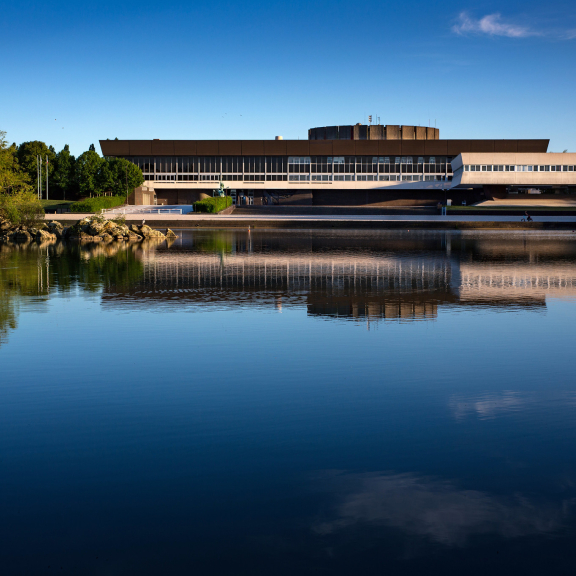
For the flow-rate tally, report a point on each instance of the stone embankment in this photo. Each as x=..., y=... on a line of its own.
x=90, y=229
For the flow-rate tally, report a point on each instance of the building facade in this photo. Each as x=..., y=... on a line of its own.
x=350, y=165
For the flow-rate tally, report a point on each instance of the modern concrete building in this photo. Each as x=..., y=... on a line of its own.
x=338, y=165
x=500, y=174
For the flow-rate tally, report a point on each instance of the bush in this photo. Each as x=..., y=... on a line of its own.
x=21, y=208
x=213, y=205
x=91, y=205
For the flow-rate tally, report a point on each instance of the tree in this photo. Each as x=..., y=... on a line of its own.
x=64, y=177
x=123, y=176
x=91, y=148
x=12, y=177
x=27, y=154
x=88, y=166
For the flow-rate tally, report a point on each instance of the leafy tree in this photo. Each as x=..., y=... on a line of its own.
x=123, y=175
x=64, y=177
x=21, y=207
x=12, y=178
x=88, y=167
x=104, y=178
x=27, y=153
x=91, y=148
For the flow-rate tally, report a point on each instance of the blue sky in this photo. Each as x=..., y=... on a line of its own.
x=77, y=72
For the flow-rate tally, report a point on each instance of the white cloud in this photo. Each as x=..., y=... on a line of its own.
x=492, y=25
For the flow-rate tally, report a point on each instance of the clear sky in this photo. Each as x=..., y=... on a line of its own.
x=77, y=72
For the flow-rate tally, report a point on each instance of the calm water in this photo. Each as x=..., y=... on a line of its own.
x=290, y=403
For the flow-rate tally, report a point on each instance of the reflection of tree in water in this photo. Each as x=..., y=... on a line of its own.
x=218, y=242
x=8, y=313
x=34, y=271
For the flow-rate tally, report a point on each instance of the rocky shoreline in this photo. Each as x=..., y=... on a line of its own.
x=91, y=229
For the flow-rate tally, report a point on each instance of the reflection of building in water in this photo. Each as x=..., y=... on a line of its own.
x=344, y=286
x=492, y=281
x=357, y=276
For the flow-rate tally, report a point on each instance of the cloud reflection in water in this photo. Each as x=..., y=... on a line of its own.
x=436, y=509
x=488, y=406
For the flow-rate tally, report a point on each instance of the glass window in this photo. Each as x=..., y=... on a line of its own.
x=232, y=164
x=276, y=164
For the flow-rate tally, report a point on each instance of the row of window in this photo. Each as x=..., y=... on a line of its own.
x=293, y=164
x=516, y=168
x=299, y=178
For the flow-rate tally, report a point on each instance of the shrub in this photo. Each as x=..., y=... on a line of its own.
x=213, y=205
x=91, y=205
x=21, y=208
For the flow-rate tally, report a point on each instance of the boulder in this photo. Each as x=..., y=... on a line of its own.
x=95, y=228
x=43, y=235
x=107, y=237
x=170, y=234
x=22, y=235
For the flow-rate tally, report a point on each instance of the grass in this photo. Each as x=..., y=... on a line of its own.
x=55, y=204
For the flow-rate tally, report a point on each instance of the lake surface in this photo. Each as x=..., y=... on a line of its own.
x=290, y=403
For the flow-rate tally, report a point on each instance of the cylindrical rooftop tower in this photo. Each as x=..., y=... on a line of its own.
x=373, y=132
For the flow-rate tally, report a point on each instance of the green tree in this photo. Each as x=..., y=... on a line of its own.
x=91, y=148
x=123, y=175
x=12, y=177
x=88, y=167
x=27, y=154
x=64, y=177
x=105, y=179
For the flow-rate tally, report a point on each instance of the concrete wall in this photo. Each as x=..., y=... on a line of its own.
x=502, y=179
x=142, y=196
x=392, y=197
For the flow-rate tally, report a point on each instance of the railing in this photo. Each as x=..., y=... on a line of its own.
x=137, y=210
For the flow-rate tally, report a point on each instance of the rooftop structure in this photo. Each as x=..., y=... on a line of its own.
x=373, y=132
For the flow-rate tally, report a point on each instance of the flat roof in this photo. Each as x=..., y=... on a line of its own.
x=316, y=147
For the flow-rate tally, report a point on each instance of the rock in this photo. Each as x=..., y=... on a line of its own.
x=53, y=225
x=132, y=236
x=43, y=236
x=22, y=235
x=146, y=231
x=170, y=234
x=95, y=228
x=106, y=237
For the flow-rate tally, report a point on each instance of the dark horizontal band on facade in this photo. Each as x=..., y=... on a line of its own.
x=314, y=147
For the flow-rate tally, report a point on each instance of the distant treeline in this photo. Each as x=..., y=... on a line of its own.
x=70, y=178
